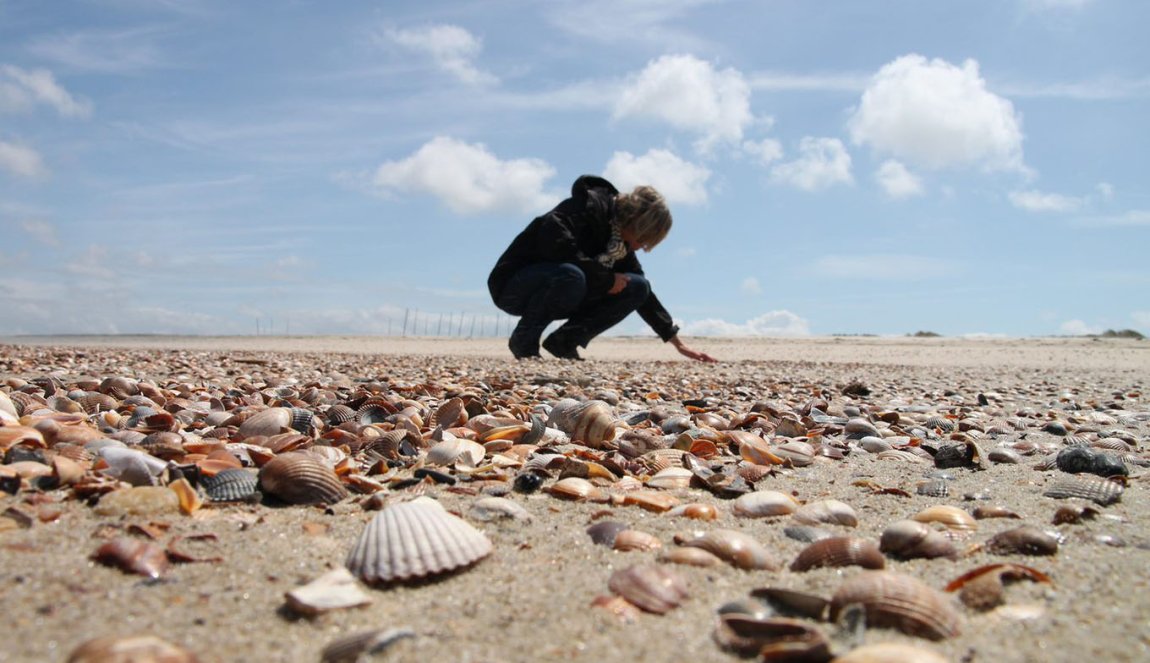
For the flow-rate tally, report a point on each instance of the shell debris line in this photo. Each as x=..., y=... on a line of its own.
x=288, y=506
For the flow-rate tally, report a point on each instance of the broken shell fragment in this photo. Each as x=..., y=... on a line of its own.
x=333, y=590
x=771, y=638
x=983, y=588
x=653, y=587
x=413, y=540
x=1025, y=540
x=357, y=646
x=133, y=556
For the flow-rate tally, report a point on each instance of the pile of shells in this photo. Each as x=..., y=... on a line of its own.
x=724, y=469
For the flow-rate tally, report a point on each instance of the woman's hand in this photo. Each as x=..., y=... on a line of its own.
x=688, y=352
x=621, y=281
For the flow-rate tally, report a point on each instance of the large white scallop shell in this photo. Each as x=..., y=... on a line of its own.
x=412, y=540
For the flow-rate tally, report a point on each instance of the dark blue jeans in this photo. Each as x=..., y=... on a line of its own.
x=549, y=291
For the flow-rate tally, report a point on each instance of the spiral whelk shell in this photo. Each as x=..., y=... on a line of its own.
x=898, y=601
x=300, y=478
x=413, y=540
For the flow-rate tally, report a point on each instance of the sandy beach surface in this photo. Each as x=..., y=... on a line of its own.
x=533, y=598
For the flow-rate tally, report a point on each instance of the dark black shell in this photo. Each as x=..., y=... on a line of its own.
x=1078, y=460
x=234, y=485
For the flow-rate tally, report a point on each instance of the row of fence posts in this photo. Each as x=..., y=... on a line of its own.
x=457, y=324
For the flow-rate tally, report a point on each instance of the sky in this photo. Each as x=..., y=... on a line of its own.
x=968, y=168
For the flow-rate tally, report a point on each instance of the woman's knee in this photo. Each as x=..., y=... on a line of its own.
x=638, y=288
x=568, y=286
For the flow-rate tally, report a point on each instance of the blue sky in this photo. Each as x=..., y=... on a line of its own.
x=207, y=166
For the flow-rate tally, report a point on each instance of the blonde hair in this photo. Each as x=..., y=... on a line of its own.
x=644, y=214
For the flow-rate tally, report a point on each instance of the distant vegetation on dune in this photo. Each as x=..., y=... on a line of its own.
x=1124, y=333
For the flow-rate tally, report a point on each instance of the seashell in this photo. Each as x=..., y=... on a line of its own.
x=630, y=540
x=303, y=420
x=1075, y=460
x=985, y=512
x=1025, y=540
x=733, y=547
x=1074, y=514
x=795, y=453
x=764, y=504
x=300, y=478
x=334, y=590
x=1094, y=488
x=232, y=485
x=828, y=512
x=695, y=511
x=806, y=533
x=130, y=649
x=671, y=478
x=119, y=387
x=859, y=428
x=653, y=587
x=934, y=488
x=952, y=517
x=940, y=424
x=907, y=539
x=362, y=645
x=577, y=489
x=272, y=421
x=839, y=551
x=874, y=445
x=132, y=466
x=413, y=540
x=758, y=451
x=450, y=414
x=603, y=533
x=13, y=436
x=792, y=603
x=650, y=500
x=339, y=413
x=456, y=450
x=133, y=556
x=890, y=652
x=982, y=588
x=690, y=557
x=771, y=638
x=1004, y=456
x=591, y=422
x=487, y=509
x=898, y=601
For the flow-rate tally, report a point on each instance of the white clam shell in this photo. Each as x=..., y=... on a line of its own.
x=412, y=540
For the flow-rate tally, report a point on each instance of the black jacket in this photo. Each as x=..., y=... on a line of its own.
x=577, y=231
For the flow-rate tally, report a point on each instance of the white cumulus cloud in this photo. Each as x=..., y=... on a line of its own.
x=897, y=181
x=772, y=323
x=1037, y=201
x=453, y=49
x=822, y=163
x=691, y=95
x=21, y=89
x=933, y=114
x=767, y=151
x=21, y=160
x=1078, y=328
x=468, y=178
x=679, y=181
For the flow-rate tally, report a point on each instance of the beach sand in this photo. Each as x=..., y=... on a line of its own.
x=531, y=599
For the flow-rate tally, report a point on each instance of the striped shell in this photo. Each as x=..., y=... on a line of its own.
x=899, y=601
x=653, y=587
x=234, y=485
x=271, y=421
x=839, y=551
x=1089, y=487
x=413, y=540
x=300, y=478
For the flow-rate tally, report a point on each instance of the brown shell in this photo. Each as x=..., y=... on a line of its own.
x=653, y=587
x=300, y=478
x=733, y=547
x=272, y=421
x=141, y=648
x=1025, y=540
x=772, y=638
x=634, y=540
x=898, y=601
x=840, y=551
x=952, y=517
x=907, y=539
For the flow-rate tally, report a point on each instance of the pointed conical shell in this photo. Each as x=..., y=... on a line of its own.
x=412, y=540
x=300, y=478
x=590, y=422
